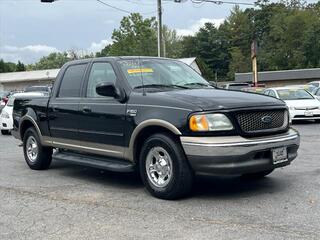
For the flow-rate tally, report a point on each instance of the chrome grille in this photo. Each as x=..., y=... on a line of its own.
x=263, y=121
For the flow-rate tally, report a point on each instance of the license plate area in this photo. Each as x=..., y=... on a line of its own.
x=308, y=113
x=279, y=155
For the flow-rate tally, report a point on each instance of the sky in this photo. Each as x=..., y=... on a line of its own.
x=30, y=29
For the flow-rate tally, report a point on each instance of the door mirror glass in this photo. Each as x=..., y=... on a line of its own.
x=106, y=89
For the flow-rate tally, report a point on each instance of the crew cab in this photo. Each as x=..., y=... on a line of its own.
x=156, y=116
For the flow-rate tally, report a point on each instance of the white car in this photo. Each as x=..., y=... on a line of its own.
x=316, y=93
x=302, y=104
x=315, y=83
x=6, y=120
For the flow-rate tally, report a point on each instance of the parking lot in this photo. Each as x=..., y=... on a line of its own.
x=73, y=202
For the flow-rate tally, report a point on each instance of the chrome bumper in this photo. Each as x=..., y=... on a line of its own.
x=235, y=154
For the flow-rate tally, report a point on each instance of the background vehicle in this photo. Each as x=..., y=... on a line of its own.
x=6, y=120
x=236, y=86
x=307, y=87
x=259, y=90
x=38, y=89
x=157, y=116
x=316, y=92
x=302, y=104
x=3, y=99
x=315, y=83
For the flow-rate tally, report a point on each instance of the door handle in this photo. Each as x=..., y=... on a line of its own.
x=86, y=109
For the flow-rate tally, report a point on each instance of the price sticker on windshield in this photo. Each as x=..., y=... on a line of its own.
x=140, y=70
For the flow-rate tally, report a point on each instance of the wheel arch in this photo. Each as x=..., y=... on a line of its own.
x=143, y=131
x=27, y=122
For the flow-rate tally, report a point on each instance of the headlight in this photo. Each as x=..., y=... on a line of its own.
x=210, y=122
x=5, y=115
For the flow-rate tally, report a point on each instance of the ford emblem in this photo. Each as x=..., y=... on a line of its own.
x=266, y=119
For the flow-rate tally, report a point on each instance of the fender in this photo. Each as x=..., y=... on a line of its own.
x=129, y=152
x=30, y=116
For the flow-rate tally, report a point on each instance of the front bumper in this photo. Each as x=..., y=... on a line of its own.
x=6, y=124
x=238, y=155
x=303, y=114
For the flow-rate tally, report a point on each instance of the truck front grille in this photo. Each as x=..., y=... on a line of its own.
x=263, y=121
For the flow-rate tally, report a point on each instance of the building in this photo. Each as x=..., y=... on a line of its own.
x=282, y=78
x=21, y=80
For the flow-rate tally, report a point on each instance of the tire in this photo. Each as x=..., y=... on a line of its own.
x=5, y=132
x=41, y=157
x=170, y=161
x=257, y=175
x=317, y=120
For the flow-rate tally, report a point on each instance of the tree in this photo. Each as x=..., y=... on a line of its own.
x=7, y=66
x=135, y=36
x=20, y=67
x=53, y=60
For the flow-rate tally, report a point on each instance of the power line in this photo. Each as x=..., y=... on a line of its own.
x=223, y=2
x=121, y=9
x=114, y=7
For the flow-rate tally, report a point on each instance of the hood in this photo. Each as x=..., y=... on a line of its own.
x=215, y=99
x=303, y=103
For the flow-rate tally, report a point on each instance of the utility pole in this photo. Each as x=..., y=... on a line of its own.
x=254, y=63
x=159, y=27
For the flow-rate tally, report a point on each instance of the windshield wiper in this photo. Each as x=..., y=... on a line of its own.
x=160, y=86
x=197, y=84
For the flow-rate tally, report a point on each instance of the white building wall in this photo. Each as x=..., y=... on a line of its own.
x=12, y=86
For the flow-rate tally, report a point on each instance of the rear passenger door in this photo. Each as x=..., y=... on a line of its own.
x=63, y=110
x=102, y=119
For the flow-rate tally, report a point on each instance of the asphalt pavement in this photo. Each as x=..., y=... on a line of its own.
x=74, y=202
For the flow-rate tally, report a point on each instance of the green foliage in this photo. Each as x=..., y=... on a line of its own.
x=53, y=60
x=10, y=67
x=136, y=36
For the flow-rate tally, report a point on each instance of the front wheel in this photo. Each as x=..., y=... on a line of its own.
x=37, y=156
x=164, y=169
x=257, y=175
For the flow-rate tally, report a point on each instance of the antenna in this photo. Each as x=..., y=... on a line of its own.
x=143, y=90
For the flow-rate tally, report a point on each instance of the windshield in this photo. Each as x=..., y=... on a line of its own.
x=161, y=73
x=293, y=94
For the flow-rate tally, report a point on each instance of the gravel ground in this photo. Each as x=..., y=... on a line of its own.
x=72, y=202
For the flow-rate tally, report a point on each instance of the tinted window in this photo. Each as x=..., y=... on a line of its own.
x=100, y=72
x=71, y=82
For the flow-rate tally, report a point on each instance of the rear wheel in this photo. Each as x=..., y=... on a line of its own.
x=164, y=169
x=5, y=132
x=37, y=156
x=257, y=175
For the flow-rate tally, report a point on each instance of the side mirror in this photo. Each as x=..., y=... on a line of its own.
x=108, y=89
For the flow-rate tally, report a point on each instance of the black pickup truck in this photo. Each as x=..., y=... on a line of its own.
x=155, y=116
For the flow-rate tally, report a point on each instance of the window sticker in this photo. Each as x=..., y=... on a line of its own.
x=140, y=70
